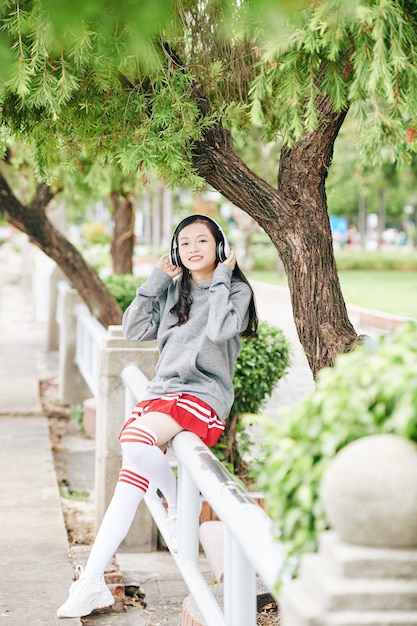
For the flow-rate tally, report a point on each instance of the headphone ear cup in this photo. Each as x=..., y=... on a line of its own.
x=220, y=252
x=174, y=257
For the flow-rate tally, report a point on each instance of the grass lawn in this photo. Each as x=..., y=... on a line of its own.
x=391, y=291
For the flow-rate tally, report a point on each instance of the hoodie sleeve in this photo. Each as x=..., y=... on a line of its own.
x=228, y=305
x=141, y=318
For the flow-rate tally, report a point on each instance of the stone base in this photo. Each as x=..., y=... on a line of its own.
x=345, y=585
x=191, y=615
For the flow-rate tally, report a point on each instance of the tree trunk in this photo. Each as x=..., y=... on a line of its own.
x=295, y=218
x=231, y=453
x=122, y=236
x=33, y=221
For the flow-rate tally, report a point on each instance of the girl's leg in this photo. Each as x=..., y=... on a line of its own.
x=116, y=521
x=90, y=592
x=141, y=458
x=163, y=425
x=139, y=440
x=153, y=463
x=150, y=461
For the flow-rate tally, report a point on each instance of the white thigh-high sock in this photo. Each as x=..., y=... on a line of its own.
x=143, y=461
x=140, y=449
x=116, y=522
x=151, y=462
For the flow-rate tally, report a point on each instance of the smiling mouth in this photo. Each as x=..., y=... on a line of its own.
x=195, y=258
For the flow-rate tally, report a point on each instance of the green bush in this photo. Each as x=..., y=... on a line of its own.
x=98, y=256
x=262, y=362
x=123, y=287
x=375, y=260
x=371, y=390
x=265, y=257
x=76, y=415
x=95, y=233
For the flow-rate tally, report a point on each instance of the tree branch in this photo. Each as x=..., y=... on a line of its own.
x=33, y=221
x=42, y=197
x=216, y=161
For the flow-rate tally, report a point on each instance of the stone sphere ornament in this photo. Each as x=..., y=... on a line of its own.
x=369, y=492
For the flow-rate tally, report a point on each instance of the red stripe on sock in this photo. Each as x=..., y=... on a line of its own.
x=127, y=476
x=133, y=432
x=136, y=436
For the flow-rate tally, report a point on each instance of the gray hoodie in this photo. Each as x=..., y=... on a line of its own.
x=197, y=357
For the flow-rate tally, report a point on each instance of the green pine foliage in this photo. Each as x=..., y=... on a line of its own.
x=97, y=78
x=81, y=99
x=363, y=56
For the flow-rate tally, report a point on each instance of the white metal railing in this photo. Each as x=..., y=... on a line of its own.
x=62, y=287
x=249, y=548
x=88, y=341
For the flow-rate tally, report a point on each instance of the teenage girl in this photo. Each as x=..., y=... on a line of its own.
x=197, y=304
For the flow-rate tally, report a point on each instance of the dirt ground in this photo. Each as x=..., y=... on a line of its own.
x=78, y=513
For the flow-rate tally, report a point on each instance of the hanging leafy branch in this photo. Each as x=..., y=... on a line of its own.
x=89, y=88
x=365, y=54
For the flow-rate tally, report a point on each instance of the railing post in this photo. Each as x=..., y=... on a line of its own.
x=135, y=381
x=89, y=335
x=114, y=354
x=249, y=546
x=52, y=340
x=189, y=513
x=72, y=387
x=239, y=585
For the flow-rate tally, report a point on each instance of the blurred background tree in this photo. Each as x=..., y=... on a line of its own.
x=171, y=90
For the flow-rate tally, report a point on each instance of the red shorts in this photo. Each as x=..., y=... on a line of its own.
x=190, y=412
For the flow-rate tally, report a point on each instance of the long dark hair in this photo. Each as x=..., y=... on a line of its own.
x=182, y=308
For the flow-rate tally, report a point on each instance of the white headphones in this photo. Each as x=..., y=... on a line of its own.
x=222, y=247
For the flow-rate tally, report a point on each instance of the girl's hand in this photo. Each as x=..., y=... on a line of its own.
x=231, y=260
x=166, y=266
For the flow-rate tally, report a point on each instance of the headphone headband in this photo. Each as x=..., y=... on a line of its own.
x=222, y=247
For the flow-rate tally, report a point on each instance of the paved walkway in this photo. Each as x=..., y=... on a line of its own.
x=35, y=570
x=34, y=565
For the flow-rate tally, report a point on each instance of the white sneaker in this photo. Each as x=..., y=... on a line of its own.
x=172, y=522
x=84, y=597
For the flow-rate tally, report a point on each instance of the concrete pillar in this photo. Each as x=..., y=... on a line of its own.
x=114, y=355
x=365, y=572
x=52, y=337
x=43, y=266
x=72, y=387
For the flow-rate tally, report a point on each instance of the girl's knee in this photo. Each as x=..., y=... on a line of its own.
x=162, y=424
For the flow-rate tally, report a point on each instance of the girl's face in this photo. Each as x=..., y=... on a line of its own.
x=197, y=249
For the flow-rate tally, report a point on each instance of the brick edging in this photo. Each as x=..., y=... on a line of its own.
x=377, y=319
x=114, y=580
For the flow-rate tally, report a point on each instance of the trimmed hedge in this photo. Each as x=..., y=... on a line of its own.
x=123, y=287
